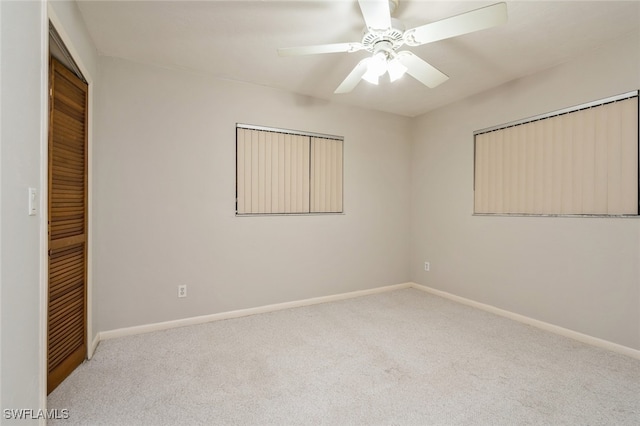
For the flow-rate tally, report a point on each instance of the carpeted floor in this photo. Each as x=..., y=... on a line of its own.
x=397, y=358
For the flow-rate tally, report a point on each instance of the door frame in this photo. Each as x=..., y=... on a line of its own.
x=49, y=15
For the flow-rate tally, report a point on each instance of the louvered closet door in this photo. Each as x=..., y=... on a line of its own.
x=67, y=224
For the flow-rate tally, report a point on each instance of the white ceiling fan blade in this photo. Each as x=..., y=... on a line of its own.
x=421, y=71
x=321, y=48
x=464, y=23
x=376, y=14
x=353, y=78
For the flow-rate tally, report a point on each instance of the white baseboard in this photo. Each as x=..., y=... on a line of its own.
x=129, y=331
x=147, y=328
x=565, y=332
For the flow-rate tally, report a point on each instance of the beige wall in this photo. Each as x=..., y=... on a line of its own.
x=24, y=87
x=164, y=189
x=21, y=137
x=578, y=273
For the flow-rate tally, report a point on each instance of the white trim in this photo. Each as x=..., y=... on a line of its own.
x=129, y=331
x=565, y=332
x=89, y=244
x=66, y=39
x=94, y=345
x=584, y=338
x=43, y=203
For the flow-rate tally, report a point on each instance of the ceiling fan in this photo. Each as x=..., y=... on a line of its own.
x=384, y=35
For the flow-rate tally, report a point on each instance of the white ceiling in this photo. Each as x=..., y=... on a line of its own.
x=238, y=40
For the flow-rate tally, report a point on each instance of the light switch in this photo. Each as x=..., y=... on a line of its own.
x=33, y=193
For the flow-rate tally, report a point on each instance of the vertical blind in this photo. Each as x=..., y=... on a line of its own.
x=326, y=175
x=285, y=173
x=583, y=162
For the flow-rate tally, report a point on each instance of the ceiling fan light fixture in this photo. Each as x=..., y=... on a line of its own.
x=396, y=69
x=376, y=67
x=378, y=64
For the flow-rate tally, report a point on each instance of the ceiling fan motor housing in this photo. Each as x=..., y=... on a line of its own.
x=393, y=35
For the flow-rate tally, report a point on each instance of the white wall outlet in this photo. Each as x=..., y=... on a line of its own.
x=182, y=290
x=427, y=266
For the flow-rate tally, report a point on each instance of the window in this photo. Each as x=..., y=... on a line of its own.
x=579, y=161
x=285, y=172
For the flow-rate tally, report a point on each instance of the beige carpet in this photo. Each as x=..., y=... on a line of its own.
x=398, y=358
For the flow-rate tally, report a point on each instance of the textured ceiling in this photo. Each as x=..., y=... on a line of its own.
x=238, y=40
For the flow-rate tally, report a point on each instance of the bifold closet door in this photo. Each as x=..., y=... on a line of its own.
x=67, y=216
